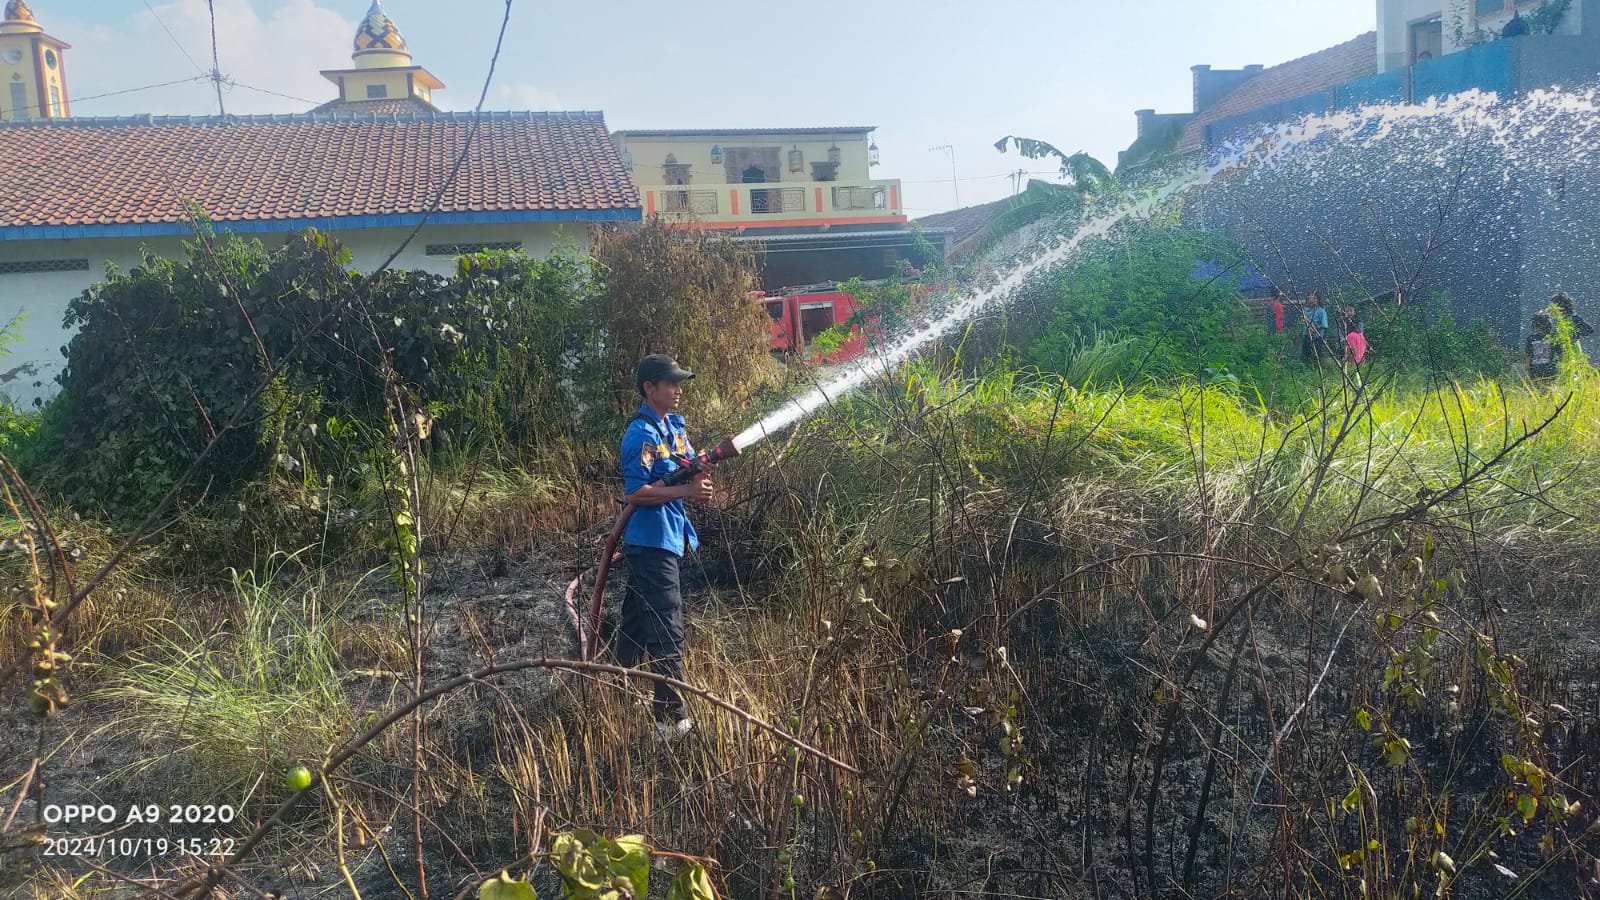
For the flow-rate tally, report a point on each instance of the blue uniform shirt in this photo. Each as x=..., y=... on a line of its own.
x=1318, y=316
x=648, y=448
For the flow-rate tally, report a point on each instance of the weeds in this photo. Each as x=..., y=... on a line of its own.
x=241, y=703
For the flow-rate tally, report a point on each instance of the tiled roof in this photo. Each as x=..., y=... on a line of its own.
x=1350, y=61
x=967, y=221
x=393, y=106
x=713, y=132
x=85, y=176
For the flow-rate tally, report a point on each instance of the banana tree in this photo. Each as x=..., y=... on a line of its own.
x=1079, y=170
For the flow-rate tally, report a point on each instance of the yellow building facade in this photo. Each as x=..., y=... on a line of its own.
x=761, y=178
x=33, y=66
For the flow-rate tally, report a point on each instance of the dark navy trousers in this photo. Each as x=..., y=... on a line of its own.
x=651, y=633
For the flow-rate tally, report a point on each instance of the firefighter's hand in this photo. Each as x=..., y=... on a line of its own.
x=700, y=489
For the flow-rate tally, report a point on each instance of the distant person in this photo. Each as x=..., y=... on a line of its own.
x=1350, y=323
x=1355, y=345
x=1316, y=325
x=1580, y=327
x=1275, y=314
x=1544, y=354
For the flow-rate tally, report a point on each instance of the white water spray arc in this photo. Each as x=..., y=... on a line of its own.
x=964, y=310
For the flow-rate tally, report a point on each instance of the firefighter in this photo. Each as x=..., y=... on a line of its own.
x=651, y=632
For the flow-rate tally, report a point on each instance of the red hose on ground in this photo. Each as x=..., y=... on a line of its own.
x=589, y=631
x=587, y=628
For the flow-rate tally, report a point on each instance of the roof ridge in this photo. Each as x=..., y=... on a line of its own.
x=1289, y=62
x=309, y=117
x=1339, y=46
x=799, y=129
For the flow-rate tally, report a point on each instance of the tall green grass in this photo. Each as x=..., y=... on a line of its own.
x=1349, y=453
x=259, y=692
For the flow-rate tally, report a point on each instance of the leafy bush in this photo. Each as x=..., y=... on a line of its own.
x=166, y=354
x=1141, y=287
x=660, y=289
x=1422, y=336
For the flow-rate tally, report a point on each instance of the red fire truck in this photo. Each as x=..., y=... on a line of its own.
x=800, y=314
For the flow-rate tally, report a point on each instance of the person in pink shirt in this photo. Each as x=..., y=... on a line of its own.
x=1355, y=347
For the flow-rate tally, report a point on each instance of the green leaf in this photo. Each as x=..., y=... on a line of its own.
x=504, y=887
x=630, y=857
x=595, y=868
x=1352, y=799
x=1527, y=805
x=691, y=883
x=1364, y=719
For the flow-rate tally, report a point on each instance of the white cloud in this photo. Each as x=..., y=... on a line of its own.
x=281, y=52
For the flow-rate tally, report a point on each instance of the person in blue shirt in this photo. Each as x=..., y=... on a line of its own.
x=1316, y=325
x=651, y=631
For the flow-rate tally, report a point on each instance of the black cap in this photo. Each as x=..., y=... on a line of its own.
x=659, y=367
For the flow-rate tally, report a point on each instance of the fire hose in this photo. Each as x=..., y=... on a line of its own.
x=588, y=629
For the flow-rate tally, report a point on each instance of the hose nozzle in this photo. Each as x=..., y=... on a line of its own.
x=724, y=450
x=697, y=464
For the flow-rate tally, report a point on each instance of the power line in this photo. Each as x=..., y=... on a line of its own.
x=4, y=113
x=216, y=65
x=974, y=178
x=233, y=84
x=955, y=183
x=175, y=41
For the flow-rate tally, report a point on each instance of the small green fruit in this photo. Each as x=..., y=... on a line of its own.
x=38, y=703
x=799, y=801
x=298, y=779
x=1369, y=588
x=849, y=795
x=792, y=754
x=794, y=723
x=788, y=882
x=784, y=856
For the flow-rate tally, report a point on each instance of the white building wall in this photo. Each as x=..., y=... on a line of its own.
x=29, y=370
x=1460, y=20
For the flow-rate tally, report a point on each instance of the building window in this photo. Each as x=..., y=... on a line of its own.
x=19, y=100
x=377, y=91
x=1427, y=40
x=739, y=161
x=38, y=266
x=468, y=249
x=55, y=101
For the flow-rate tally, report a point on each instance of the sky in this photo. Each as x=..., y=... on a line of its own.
x=928, y=74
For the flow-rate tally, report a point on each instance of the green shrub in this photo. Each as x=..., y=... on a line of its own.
x=165, y=354
x=660, y=289
x=1422, y=337
x=1140, y=286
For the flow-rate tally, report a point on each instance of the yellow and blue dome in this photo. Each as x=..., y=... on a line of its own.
x=18, y=19
x=18, y=11
x=377, y=32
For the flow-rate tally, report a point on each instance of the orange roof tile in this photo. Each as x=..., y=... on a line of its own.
x=1350, y=61
x=140, y=171
x=389, y=106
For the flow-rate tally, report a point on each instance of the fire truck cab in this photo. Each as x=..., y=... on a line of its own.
x=800, y=314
